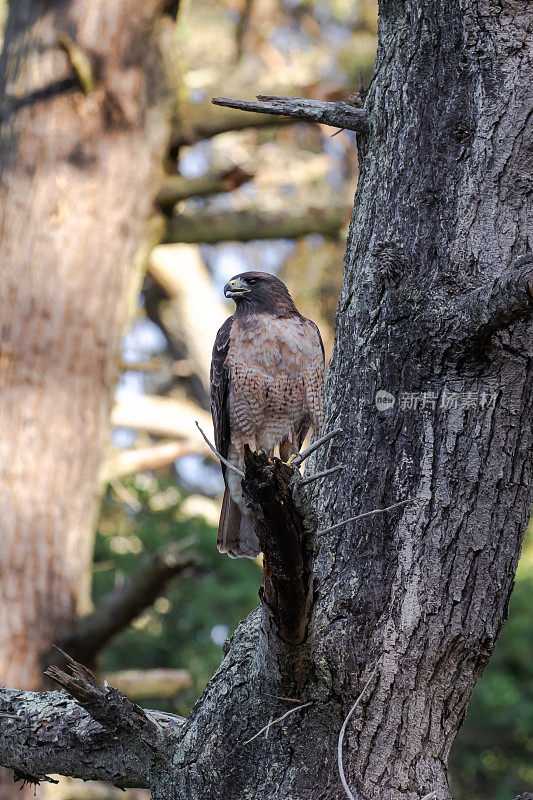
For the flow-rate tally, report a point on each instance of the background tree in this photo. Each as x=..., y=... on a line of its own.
x=78, y=98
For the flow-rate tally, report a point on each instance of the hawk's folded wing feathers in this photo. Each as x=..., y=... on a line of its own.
x=220, y=380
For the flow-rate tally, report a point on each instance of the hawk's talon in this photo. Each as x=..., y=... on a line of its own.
x=291, y=459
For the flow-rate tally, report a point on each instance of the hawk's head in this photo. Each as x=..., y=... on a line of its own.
x=260, y=292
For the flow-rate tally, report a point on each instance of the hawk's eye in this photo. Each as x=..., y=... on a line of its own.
x=252, y=281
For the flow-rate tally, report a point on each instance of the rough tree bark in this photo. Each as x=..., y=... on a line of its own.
x=434, y=311
x=78, y=172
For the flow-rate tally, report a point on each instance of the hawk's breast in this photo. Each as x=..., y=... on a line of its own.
x=276, y=378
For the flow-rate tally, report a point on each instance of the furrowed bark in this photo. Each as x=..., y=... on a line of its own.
x=245, y=226
x=49, y=732
x=70, y=242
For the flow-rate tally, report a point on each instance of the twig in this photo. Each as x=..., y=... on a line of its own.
x=319, y=475
x=280, y=697
x=363, y=516
x=224, y=461
x=273, y=722
x=312, y=447
x=338, y=114
x=430, y=796
x=270, y=721
x=342, y=731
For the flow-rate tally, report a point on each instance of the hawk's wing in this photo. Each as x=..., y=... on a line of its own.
x=220, y=390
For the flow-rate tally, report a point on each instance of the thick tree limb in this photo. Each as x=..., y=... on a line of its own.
x=118, y=608
x=51, y=733
x=338, y=114
x=113, y=710
x=495, y=305
x=176, y=188
x=245, y=226
x=96, y=734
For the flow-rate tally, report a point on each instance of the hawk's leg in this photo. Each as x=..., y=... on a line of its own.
x=288, y=450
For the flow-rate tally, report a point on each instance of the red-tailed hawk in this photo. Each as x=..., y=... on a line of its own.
x=267, y=385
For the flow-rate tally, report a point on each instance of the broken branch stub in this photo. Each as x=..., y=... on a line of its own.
x=284, y=527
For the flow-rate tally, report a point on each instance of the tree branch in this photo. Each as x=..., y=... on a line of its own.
x=118, y=608
x=494, y=306
x=338, y=114
x=49, y=732
x=245, y=226
x=140, y=731
x=96, y=734
x=176, y=188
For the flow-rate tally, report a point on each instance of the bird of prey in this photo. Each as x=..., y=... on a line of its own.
x=267, y=386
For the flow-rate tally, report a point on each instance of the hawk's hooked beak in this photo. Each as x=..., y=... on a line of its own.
x=234, y=288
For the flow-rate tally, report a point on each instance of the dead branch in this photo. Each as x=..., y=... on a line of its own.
x=275, y=721
x=338, y=114
x=314, y=446
x=318, y=475
x=245, y=226
x=140, y=731
x=118, y=608
x=220, y=457
x=364, y=516
x=48, y=732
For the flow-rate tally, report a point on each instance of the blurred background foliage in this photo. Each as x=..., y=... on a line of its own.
x=160, y=484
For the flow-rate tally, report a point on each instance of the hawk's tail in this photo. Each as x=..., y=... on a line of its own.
x=236, y=532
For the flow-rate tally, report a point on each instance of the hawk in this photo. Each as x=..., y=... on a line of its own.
x=267, y=386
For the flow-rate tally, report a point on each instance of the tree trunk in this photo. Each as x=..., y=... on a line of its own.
x=433, y=312
x=432, y=281
x=78, y=173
